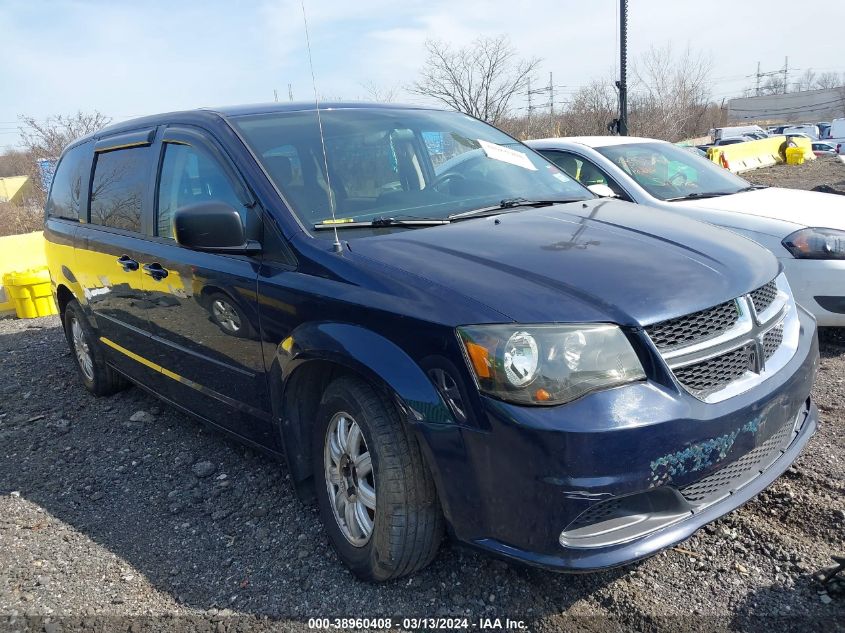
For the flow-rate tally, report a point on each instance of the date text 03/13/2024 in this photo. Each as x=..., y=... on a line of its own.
x=418, y=624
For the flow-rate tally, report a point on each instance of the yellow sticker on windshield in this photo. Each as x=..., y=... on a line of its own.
x=337, y=221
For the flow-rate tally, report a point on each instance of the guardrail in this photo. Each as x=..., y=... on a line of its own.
x=19, y=253
x=741, y=157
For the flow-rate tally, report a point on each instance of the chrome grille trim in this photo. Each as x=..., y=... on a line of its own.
x=768, y=339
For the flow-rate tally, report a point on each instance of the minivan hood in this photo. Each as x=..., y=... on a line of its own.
x=807, y=208
x=600, y=260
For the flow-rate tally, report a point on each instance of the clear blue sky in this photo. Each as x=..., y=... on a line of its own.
x=133, y=58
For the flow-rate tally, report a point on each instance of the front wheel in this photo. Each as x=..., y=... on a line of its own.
x=376, y=496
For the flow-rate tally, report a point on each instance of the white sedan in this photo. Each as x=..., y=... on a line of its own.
x=804, y=229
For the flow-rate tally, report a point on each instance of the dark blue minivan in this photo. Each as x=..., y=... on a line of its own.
x=435, y=327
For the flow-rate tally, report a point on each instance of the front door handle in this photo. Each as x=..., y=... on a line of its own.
x=155, y=271
x=127, y=263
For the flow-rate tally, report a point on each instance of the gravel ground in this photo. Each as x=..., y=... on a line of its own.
x=825, y=170
x=122, y=507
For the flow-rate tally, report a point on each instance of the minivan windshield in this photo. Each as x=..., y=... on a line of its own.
x=397, y=163
x=669, y=172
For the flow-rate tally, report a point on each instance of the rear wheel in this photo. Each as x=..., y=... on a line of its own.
x=376, y=496
x=97, y=376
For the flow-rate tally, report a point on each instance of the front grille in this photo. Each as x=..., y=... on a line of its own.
x=715, y=373
x=720, y=483
x=772, y=340
x=763, y=296
x=694, y=327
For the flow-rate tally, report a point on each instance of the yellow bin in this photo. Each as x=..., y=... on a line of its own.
x=794, y=156
x=30, y=291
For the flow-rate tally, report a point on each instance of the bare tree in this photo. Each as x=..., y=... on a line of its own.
x=806, y=81
x=381, y=94
x=670, y=93
x=480, y=79
x=15, y=162
x=41, y=139
x=47, y=139
x=773, y=85
x=828, y=80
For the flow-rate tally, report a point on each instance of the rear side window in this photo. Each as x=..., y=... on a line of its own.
x=68, y=189
x=117, y=191
x=190, y=175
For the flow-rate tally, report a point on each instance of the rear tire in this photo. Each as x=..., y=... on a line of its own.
x=396, y=524
x=97, y=376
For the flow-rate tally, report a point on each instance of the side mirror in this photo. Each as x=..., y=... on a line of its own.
x=213, y=227
x=602, y=191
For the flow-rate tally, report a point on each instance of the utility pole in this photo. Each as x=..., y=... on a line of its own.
x=785, y=74
x=551, y=95
x=757, y=91
x=530, y=107
x=290, y=92
x=622, y=84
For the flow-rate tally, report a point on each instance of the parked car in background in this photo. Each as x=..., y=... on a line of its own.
x=804, y=229
x=810, y=131
x=735, y=131
x=733, y=140
x=790, y=135
x=824, y=129
x=561, y=379
x=836, y=134
x=824, y=148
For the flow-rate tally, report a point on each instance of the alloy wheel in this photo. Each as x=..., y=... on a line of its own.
x=81, y=349
x=350, y=479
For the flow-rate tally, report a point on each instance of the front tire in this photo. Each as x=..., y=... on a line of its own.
x=376, y=496
x=97, y=376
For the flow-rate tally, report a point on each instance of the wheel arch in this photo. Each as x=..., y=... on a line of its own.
x=64, y=295
x=315, y=354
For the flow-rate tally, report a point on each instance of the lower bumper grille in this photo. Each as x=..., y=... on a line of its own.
x=620, y=519
x=721, y=483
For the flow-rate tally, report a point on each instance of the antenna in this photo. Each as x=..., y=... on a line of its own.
x=338, y=248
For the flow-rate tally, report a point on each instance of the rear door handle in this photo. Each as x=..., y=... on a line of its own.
x=155, y=271
x=127, y=263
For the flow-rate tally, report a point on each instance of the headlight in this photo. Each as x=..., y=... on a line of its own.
x=548, y=364
x=815, y=243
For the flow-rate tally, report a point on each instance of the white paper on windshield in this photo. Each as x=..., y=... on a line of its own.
x=506, y=155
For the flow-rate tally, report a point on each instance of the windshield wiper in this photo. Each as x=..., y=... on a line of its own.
x=698, y=195
x=505, y=205
x=379, y=222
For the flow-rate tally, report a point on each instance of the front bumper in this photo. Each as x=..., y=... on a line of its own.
x=811, y=279
x=514, y=487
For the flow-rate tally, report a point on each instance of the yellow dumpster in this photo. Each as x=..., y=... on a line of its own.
x=794, y=156
x=30, y=292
